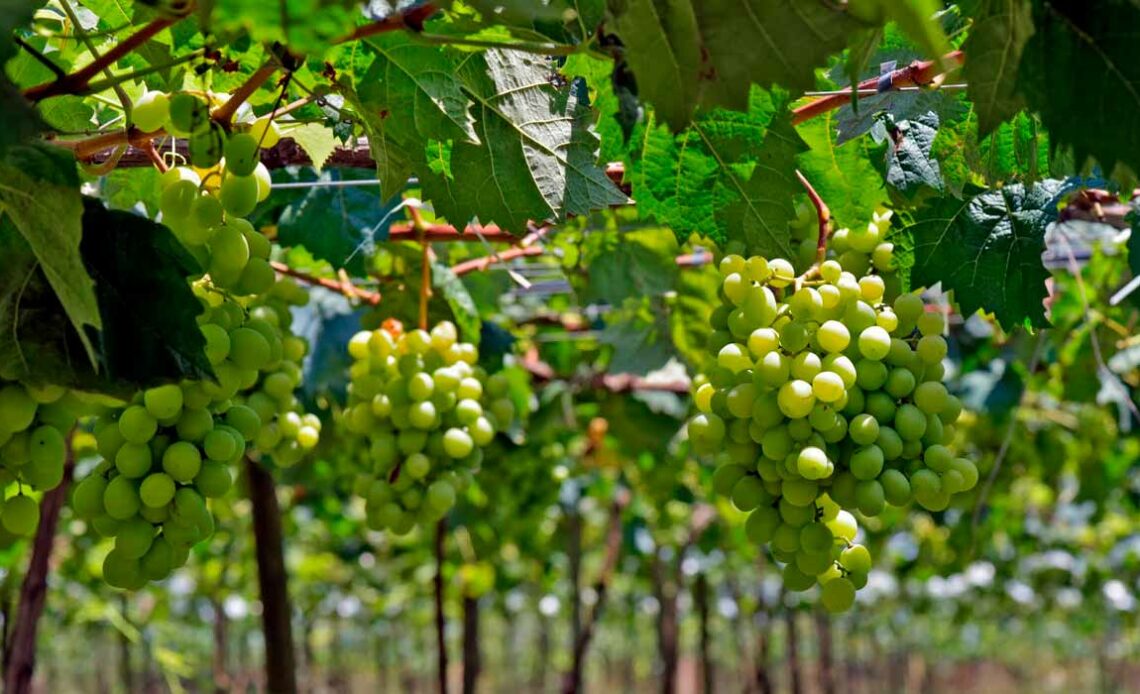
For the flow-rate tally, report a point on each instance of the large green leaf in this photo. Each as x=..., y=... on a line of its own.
x=768, y=42
x=729, y=176
x=143, y=341
x=910, y=166
x=1018, y=150
x=537, y=154
x=134, y=260
x=410, y=94
x=340, y=224
x=1079, y=71
x=842, y=175
x=39, y=192
x=987, y=249
x=993, y=49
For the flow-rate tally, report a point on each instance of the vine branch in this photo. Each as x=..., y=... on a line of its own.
x=225, y=112
x=79, y=80
x=412, y=18
x=346, y=288
x=920, y=73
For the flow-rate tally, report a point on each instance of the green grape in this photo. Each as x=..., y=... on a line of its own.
x=87, y=498
x=133, y=460
x=863, y=429
x=157, y=490
x=182, y=461
x=151, y=111
x=910, y=422
x=896, y=487
x=761, y=524
x=815, y=538
x=248, y=348
x=48, y=450
x=120, y=571
x=812, y=463
x=188, y=114
x=874, y=343
x=828, y=387
x=213, y=480
x=134, y=538
x=163, y=402
x=207, y=146
x=833, y=336
x=20, y=515
x=796, y=580
x=264, y=132
x=229, y=250
x=837, y=595
x=867, y=462
x=749, y=493
x=158, y=562
x=238, y=194
x=241, y=154
x=121, y=498
x=137, y=425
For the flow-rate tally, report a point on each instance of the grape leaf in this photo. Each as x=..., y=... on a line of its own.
x=639, y=337
x=21, y=121
x=767, y=42
x=328, y=321
x=842, y=175
x=447, y=285
x=411, y=93
x=340, y=224
x=537, y=157
x=617, y=112
x=67, y=113
x=1017, y=150
x=662, y=46
x=987, y=249
x=306, y=26
x=994, y=45
x=39, y=192
x=133, y=260
x=910, y=168
x=1092, y=54
x=317, y=141
x=634, y=264
x=730, y=175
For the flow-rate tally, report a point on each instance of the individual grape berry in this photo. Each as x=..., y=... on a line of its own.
x=151, y=111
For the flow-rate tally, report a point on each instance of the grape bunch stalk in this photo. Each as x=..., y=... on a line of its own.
x=419, y=413
x=826, y=399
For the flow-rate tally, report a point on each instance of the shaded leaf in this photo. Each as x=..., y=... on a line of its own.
x=987, y=249
x=910, y=166
x=450, y=288
x=340, y=224
x=730, y=176
x=997, y=37
x=317, y=141
x=39, y=192
x=1092, y=54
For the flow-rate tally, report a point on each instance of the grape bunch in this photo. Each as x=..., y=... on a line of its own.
x=826, y=399
x=34, y=424
x=175, y=446
x=164, y=455
x=416, y=412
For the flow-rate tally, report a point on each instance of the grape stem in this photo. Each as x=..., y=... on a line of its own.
x=346, y=288
x=823, y=215
x=79, y=80
x=155, y=157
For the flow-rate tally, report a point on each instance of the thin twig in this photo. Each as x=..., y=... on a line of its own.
x=225, y=112
x=425, y=274
x=79, y=80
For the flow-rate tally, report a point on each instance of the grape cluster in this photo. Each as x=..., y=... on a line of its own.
x=34, y=424
x=173, y=447
x=204, y=203
x=826, y=399
x=416, y=410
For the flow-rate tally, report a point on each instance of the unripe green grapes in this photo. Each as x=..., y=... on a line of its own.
x=828, y=399
x=151, y=111
x=419, y=414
